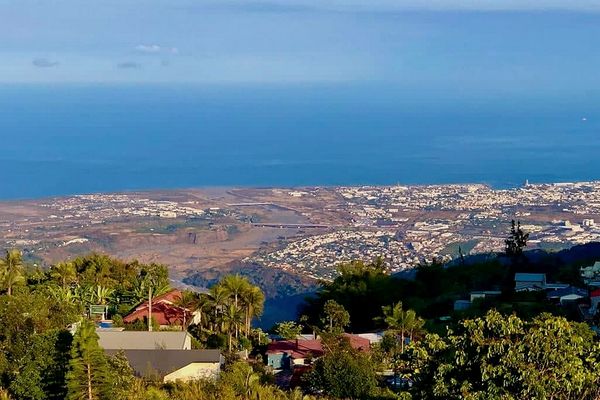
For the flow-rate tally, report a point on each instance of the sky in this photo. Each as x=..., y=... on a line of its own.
x=454, y=45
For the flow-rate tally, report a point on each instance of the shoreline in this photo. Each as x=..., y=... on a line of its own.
x=506, y=186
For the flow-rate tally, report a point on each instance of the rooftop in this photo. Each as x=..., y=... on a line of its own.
x=143, y=340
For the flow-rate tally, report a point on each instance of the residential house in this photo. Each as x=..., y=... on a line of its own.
x=567, y=295
x=165, y=311
x=372, y=337
x=591, y=273
x=461, y=305
x=174, y=365
x=529, y=282
x=284, y=354
x=287, y=354
x=144, y=340
x=484, y=294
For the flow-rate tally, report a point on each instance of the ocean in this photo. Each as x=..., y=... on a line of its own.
x=70, y=139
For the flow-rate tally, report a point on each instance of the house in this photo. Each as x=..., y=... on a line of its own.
x=529, y=282
x=143, y=340
x=288, y=354
x=173, y=365
x=372, y=337
x=567, y=295
x=483, y=294
x=591, y=273
x=461, y=305
x=165, y=311
x=284, y=354
x=358, y=342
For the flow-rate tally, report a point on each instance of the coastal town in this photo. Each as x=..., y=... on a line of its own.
x=305, y=231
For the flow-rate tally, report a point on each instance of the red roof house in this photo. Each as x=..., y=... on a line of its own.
x=287, y=353
x=164, y=310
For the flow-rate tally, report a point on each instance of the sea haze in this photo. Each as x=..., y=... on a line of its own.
x=69, y=139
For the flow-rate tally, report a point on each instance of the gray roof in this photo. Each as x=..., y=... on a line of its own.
x=568, y=291
x=526, y=277
x=150, y=363
x=141, y=340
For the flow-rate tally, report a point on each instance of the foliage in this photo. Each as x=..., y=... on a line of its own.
x=516, y=241
x=40, y=374
x=342, y=372
x=11, y=271
x=88, y=376
x=335, y=317
x=227, y=311
x=288, y=330
x=505, y=357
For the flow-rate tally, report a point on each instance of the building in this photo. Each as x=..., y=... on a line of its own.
x=372, y=337
x=461, y=305
x=567, y=295
x=591, y=273
x=143, y=340
x=284, y=354
x=483, y=294
x=174, y=365
x=529, y=282
x=288, y=354
x=165, y=311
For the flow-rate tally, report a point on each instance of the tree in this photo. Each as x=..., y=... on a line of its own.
x=11, y=270
x=122, y=377
x=232, y=319
x=335, y=316
x=402, y=322
x=202, y=307
x=235, y=285
x=189, y=302
x=288, y=330
x=342, y=372
x=516, y=241
x=253, y=301
x=153, y=277
x=64, y=273
x=218, y=298
x=87, y=378
x=504, y=357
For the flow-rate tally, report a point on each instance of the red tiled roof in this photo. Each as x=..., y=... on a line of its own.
x=296, y=348
x=164, y=314
x=170, y=297
x=358, y=343
x=302, y=348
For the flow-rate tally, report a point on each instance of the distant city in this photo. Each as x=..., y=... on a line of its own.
x=305, y=231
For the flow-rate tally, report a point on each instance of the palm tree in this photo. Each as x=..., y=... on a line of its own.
x=203, y=304
x=232, y=319
x=64, y=272
x=253, y=300
x=235, y=285
x=11, y=270
x=188, y=302
x=218, y=298
x=102, y=294
x=64, y=295
x=153, y=280
x=400, y=321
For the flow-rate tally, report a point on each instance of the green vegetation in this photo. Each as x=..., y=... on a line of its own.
x=515, y=345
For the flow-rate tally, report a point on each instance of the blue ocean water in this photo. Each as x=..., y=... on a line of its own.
x=68, y=139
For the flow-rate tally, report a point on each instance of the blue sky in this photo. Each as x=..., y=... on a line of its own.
x=497, y=45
